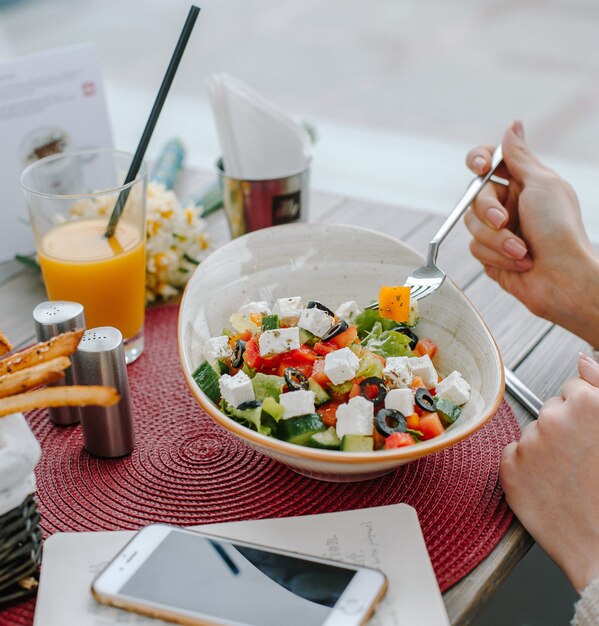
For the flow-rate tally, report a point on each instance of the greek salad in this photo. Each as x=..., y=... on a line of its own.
x=351, y=379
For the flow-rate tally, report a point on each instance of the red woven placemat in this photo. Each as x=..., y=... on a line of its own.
x=186, y=469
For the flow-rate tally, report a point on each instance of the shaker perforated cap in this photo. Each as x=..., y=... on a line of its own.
x=100, y=360
x=52, y=318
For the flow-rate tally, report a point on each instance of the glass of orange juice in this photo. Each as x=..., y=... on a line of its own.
x=70, y=197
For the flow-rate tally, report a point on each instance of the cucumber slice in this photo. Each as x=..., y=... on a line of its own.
x=249, y=412
x=207, y=380
x=267, y=385
x=357, y=443
x=307, y=337
x=448, y=411
x=326, y=440
x=299, y=429
x=221, y=367
x=270, y=322
x=320, y=395
x=273, y=408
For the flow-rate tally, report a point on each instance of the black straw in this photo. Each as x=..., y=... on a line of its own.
x=151, y=123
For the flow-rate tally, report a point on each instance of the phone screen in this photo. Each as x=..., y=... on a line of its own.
x=237, y=583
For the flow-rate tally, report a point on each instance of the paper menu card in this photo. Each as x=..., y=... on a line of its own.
x=49, y=102
x=387, y=537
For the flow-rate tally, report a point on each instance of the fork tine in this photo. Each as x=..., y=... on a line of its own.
x=416, y=292
x=425, y=291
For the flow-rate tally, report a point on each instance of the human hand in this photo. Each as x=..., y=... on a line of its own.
x=550, y=476
x=530, y=238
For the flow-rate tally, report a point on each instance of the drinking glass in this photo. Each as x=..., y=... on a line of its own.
x=70, y=198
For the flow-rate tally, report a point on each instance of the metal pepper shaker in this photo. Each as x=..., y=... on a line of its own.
x=52, y=318
x=100, y=360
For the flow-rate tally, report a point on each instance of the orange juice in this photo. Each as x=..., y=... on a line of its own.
x=107, y=276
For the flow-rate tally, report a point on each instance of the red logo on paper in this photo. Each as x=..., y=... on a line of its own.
x=89, y=88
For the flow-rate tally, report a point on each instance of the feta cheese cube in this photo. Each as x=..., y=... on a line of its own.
x=217, y=348
x=288, y=309
x=454, y=388
x=423, y=366
x=236, y=389
x=401, y=400
x=315, y=321
x=341, y=365
x=355, y=417
x=396, y=372
x=278, y=341
x=259, y=308
x=348, y=310
x=297, y=403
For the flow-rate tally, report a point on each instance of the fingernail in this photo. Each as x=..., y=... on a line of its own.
x=587, y=358
x=479, y=164
x=514, y=248
x=518, y=128
x=524, y=264
x=496, y=217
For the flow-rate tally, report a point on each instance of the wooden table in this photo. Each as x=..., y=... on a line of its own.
x=541, y=354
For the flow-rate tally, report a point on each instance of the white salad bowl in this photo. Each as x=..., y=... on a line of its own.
x=335, y=263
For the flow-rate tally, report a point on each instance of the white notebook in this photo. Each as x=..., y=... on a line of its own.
x=388, y=538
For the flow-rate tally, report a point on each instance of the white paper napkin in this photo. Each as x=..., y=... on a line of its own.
x=19, y=454
x=258, y=140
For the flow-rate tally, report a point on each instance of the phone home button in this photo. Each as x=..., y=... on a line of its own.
x=351, y=606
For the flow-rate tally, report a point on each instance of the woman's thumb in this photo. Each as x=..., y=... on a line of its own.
x=520, y=161
x=588, y=369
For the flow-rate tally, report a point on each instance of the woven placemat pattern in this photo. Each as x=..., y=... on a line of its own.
x=186, y=469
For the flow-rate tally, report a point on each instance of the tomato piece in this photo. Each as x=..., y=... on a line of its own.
x=245, y=336
x=318, y=373
x=430, y=426
x=252, y=354
x=304, y=354
x=426, y=346
x=328, y=412
x=379, y=440
x=413, y=421
x=398, y=440
x=325, y=347
x=346, y=338
x=269, y=365
x=355, y=391
x=304, y=368
x=338, y=396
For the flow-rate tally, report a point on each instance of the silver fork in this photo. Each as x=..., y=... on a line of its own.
x=428, y=278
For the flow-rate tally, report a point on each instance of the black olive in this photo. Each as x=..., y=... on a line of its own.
x=404, y=330
x=336, y=329
x=295, y=379
x=389, y=421
x=249, y=404
x=314, y=304
x=238, y=350
x=381, y=390
x=424, y=400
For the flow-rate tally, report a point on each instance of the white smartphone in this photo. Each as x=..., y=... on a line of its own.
x=186, y=577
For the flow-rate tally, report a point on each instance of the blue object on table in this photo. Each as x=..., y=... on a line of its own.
x=210, y=199
x=169, y=164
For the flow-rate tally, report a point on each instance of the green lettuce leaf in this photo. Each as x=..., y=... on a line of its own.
x=366, y=320
x=387, y=343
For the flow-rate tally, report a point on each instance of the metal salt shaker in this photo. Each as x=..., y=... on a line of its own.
x=52, y=318
x=100, y=360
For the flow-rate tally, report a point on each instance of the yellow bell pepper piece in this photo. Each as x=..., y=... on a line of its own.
x=394, y=303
